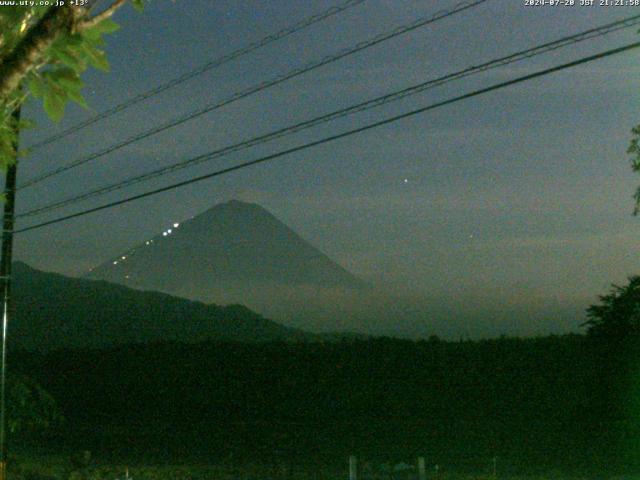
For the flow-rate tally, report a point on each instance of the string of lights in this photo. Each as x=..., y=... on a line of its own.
x=421, y=22
x=332, y=138
x=378, y=101
x=120, y=261
x=216, y=62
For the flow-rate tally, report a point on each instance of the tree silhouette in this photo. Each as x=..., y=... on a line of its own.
x=30, y=407
x=617, y=317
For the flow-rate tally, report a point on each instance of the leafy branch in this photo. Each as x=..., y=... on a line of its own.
x=43, y=52
x=634, y=149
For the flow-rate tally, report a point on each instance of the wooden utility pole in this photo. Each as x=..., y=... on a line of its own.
x=5, y=285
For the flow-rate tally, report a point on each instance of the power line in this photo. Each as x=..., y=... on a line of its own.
x=382, y=100
x=338, y=136
x=217, y=62
x=258, y=88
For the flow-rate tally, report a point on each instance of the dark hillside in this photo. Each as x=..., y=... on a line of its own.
x=54, y=311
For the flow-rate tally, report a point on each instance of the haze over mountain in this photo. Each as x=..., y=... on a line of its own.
x=54, y=311
x=237, y=252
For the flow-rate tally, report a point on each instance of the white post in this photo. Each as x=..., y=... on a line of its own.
x=422, y=469
x=353, y=468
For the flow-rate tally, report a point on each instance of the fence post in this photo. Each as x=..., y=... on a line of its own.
x=353, y=468
x=422, y=470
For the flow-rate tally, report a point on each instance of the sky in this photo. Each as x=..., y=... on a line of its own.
x=511, y=211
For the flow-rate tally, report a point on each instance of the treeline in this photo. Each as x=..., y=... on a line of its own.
x=552, y=402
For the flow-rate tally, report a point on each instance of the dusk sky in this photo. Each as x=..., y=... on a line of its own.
x=519, y=200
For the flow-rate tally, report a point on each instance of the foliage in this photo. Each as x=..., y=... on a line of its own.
x=382, y=399
x=53, y=73
x=29, y=407
x=634, y=150
x=618, y=315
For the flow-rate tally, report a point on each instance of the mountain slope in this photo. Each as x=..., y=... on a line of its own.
x=54, y=311
x=235, y=252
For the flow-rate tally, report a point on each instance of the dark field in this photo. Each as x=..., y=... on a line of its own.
x=553, y=404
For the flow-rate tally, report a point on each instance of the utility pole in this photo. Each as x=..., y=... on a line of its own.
x=422, y=469
x=353, y=467
x=5, y=285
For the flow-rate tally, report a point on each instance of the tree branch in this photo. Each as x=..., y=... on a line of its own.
x=33, y=46
x=107, y=13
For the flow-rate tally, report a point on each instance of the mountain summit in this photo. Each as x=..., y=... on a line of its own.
x=235, y=252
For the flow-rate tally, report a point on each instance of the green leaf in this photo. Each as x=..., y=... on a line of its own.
x=96, y=58
x=67, y=78
x=67, y=85
x=70, y=58
x=77, y=97
x=105, y=26
x=138, y=5
x=7, y=147
x=66, y=40
x=12, y=17
x=54, y=104
x=97, y=43
x=12, y=14
x=36, y=86
x=72, y=40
